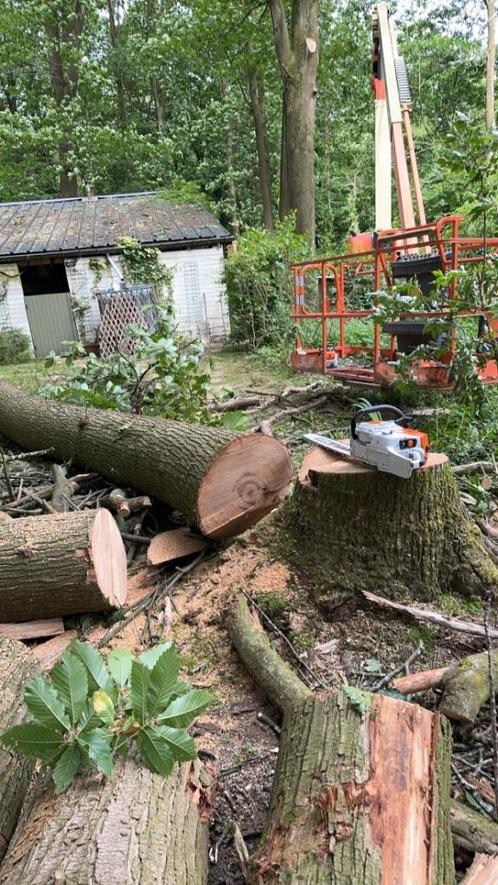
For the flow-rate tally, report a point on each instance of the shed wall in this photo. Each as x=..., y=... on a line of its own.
x=12, y=308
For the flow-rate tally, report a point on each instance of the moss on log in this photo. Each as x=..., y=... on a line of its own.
x=136, y=827
x=467, y=687
x=61, y=564
x=351, y=528
x=222, y=482
x=472, y=830
x=17, y=667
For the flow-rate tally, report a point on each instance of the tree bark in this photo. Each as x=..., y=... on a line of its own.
x=135, y=827
x=61, y=565
x=297, y=53
x=353, y=528
x=222, y=482
x=472, y=830
x=490, y=64
x=467, y=687
x=114, y=31
x=16, y=669
x=258, y=108
x=361, y=789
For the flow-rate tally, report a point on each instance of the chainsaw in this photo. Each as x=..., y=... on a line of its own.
x=389, y=445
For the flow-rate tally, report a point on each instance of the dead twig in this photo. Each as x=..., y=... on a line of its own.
x=434, y=617
x=387, y=678
x=296, y=410
x=8, y=483
x=40, y=501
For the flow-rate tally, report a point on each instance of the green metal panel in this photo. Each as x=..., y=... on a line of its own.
x=51, y=321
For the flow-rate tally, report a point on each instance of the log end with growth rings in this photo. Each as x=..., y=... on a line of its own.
x=247, y=480
x=108, y=557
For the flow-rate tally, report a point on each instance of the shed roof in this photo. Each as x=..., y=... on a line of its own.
x=95, y=225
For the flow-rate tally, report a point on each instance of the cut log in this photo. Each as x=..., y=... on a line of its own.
x=361, y=789
x=33, y=629
x=16, y=669
x=484, y=871
x=350, y=528
x=467, y=687
x=136, y=827
x=61, y=565
x=48, y=653
x=423, y=681
x=221, y=482
x=472, y=830
x=168, y=546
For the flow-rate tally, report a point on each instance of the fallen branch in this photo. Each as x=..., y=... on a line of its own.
x=415, y=682
x=474, y=467
x=236, y=404
x=421, y=614
x=289, y=413
x=467, y=687
x=472, y=830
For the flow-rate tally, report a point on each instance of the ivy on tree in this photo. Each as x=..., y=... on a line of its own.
x=88, y=711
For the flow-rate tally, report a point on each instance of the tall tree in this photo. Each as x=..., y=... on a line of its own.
x=296, y=43
x=490, y=64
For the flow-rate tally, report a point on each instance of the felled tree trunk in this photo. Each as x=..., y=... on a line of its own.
x=136, y=827
x=361, y=789
x=472, y=830
x=350, y=527
x=221, y=482
x=17, y=667
x=467, y=687
x=61, y=564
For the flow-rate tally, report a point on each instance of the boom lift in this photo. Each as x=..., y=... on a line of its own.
x=326, y=290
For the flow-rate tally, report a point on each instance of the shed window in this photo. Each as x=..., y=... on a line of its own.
x=44, y=279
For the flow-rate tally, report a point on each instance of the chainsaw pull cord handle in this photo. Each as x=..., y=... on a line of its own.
x=391, y=411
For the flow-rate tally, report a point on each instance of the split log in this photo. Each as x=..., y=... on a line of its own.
x=484, y=871
x=222, y=482
x=33, y=629
x=60, y=565
x=169, y=546
x=135, y=827
x=471, y=830
x=423, y=681
x=352, y=528
x=467, y=687
x=361, y=789
x=16, y=669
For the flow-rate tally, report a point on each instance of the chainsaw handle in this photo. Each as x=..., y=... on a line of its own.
x=362, y=413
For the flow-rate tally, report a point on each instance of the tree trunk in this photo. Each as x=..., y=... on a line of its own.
x=297, y=53
x=135, y=827
x=471, y=830
x=222, y=482
x=361, y=789
x=490, y=64
x=467, y=687
x=114, y=31
x=353, y=528
x=230, y=178
x=16, y=669
x=61, y=565
x=257, y=94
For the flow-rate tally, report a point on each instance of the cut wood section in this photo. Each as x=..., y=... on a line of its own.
x=33, y=629
x=484, y=871
x=168, y=546
x=48, y=653
x=467, y=687
x=351, y=528
x=16, y=669
x=61, y=564
x=361, y=789
x=135, y=827
x=221, y=482
x=423, y=681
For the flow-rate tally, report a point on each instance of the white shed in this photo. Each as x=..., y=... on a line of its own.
x=61, y=259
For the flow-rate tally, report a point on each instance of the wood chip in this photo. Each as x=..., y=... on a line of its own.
x=33, y=629
x=168, y=546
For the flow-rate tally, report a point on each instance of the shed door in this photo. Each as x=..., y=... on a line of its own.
x=51, y=321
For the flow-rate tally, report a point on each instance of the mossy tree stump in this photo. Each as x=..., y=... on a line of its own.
x=349, y=527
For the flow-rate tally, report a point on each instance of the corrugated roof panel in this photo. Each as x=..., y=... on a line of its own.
x=83, y=224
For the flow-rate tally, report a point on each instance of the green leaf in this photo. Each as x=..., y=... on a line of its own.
x=97, y=744
x=140, y=678
x=154, y=750
x=182, y=711
x=33, y=740
x=119, y=663
x=88, y=720
x=44, y=705
x=152, y=655
x=103, y=707
x=181, y=745
x=66, y=768
x=94, y=663
x=163, y=680
x=70, y=681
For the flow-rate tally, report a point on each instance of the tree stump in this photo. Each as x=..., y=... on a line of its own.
x=134, y=828
x=349, y=527
x=17, y=667
x=61, y=564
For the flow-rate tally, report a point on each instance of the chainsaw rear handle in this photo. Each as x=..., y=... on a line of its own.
x=392, y=412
